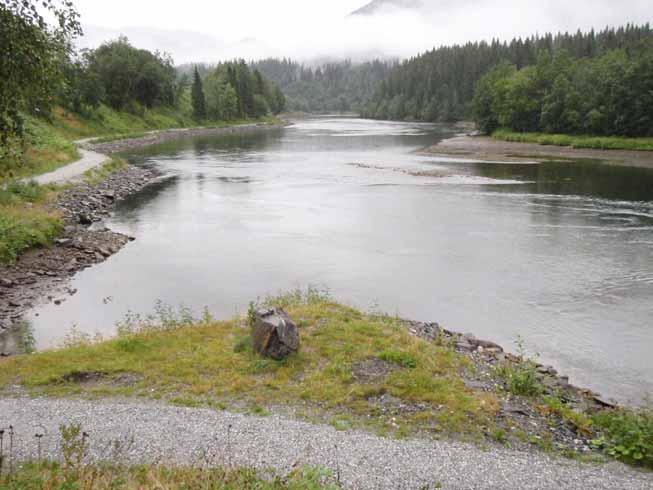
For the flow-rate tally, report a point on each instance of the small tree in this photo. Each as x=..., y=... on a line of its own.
x=197, y=97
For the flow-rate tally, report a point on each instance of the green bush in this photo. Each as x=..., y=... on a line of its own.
x=21, y=229
x=626, y=435
x=520, y=379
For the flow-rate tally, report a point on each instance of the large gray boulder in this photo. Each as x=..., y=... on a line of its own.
x=274, y=334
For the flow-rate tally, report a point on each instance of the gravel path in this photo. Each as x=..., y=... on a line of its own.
x=160, y=433
x=72, y=171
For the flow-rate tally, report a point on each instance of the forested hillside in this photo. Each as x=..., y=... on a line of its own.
x=440, y=85
x=50, y=92
x=342, y=86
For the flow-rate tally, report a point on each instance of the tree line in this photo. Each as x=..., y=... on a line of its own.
x=610, y=95
x=233, y=91
x=40, y=70
x=440, y=84
x=330, y=87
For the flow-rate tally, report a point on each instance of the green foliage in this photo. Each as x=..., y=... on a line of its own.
x=581, y=422
x=243, y=344
x=593, y=142
x=332, y=87
x=110, y=476
x=131, y=78
x=197, y=97
x=544, y=88
x=22, y=224
x=520, y=378
x=31, y=55
x=626, y=435
x=610, y=95
x=403, y=359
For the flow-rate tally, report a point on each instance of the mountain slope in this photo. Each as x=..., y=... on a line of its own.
x=377, y=5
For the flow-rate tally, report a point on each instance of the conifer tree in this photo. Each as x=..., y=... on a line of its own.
x=197, y=97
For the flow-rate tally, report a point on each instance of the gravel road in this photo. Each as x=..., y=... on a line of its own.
x=152, y=432
x=72, y=171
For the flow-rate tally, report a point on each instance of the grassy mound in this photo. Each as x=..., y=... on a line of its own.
x=352, y=368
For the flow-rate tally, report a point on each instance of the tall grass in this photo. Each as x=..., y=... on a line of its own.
x=588, y=142
x=24, y=220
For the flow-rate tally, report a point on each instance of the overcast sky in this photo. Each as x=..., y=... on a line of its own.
x=204, y=30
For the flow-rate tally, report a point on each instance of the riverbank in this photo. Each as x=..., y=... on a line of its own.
x=489, y=149
x=41, y=274
x=388, y=381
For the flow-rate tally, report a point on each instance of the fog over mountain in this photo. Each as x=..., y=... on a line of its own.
x=339, y=28
x=376, y=6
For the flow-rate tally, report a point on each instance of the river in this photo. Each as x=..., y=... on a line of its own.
x=559, y=254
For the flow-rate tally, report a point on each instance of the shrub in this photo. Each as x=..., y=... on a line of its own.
x=520, y=379
x=21, y=229
x=626, y=435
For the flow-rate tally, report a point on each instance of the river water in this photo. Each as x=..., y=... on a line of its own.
x=560, y=253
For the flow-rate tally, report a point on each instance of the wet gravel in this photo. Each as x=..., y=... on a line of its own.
x=129, y=432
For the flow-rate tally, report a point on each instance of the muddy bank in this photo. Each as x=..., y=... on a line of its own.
x=156, y=137
x=491, y=150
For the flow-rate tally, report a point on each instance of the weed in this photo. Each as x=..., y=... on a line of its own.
x=626, y=435
x=520, y=378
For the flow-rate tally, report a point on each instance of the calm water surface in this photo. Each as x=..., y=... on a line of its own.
x=559, y=253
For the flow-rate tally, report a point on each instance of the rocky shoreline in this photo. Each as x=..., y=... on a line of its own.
x=519, y=413
x=42, y=275
x=157, y=137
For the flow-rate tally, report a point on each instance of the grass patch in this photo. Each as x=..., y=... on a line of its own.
x=96, y=175
x=402, y=359
x=212, y=362
x=46, y=151
x=587, y=142
x=25, y=220
x=40, y=475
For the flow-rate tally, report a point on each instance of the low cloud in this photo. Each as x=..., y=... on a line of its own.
x=392, y=32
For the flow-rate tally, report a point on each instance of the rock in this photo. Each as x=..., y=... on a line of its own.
x=463, y=346
x=63, y=242
x=104, y=252
x=604, y=402
x=274, y=334
x=6, y=283
x=84, y=219
x=111, y=195
x=486, y=344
